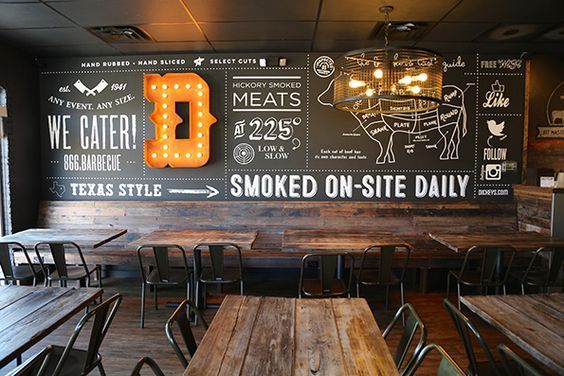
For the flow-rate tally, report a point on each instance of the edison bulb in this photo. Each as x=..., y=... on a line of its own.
x=415, y=89
x=356, y=83
x=422, y=77
x=369, y=92
x=406, y=80
x=378, y=73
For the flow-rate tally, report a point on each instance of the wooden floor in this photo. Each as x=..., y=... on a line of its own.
x=126, y=342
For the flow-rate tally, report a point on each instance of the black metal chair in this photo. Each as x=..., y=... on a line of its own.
x=383, y=274
x=154, y=264
x=16, y=273
x=181, y=318
x=464, y=327
x=151, y=363
x=489, y=272
x=70, y=361
x=34, y=366
x=412, y=325
x=328, y=284
x=509, y=360
x=447, y=365
x=216, y=273
x=544, y=270
x=64, y=271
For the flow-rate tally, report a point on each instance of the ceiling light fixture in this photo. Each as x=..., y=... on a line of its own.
x=389, y=79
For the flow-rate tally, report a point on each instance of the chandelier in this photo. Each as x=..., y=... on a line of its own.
x=388, y=80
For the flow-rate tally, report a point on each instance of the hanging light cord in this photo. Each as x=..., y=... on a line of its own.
x=387, y=26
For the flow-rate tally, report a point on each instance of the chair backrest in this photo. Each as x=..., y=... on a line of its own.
x=554, y=257
x=489, y=256
x=103, y=316
x=327, y=266
x=412, y=325
x=385, y=254
x=181, y=317
x=216, y=252
x=58, y=253
x=464, y=327
x=507, y=356
x=151, y=363
x=34, y=366
x=447, y=365
x=6, y=262
x=160, y=255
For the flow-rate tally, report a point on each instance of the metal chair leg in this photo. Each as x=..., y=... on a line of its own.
x=522, y=289
x=143, y=287
x=358, y=290
x=155, y=294
x=401, y=293
x=448, y=286
x=242, y=288
x=101, y=369
x=458, y=295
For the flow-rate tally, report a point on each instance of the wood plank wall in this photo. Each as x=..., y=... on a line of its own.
x=407, y=218
x=534, y=205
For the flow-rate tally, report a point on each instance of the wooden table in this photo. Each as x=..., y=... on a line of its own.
x=190, y=238
x=533, y=322
x=349, y=241
x=286, y=336
x=85, y=238
x=28, y=314
x=520, y=240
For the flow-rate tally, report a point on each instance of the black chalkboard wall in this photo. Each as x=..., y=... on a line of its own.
x=277, y=136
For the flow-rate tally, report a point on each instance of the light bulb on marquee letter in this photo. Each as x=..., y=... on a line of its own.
x=166, y=149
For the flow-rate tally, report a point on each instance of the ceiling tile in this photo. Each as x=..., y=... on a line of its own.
x=332, y=45
x=404, y=10
x=122, y=12
x=508, y=11
x=345, y=30
x=163, y=47
x=75, y=50
x=263, y=46
x=253, y=10
x=457, y=32
x=51, y=37
x=174, y=32
x=226, y=31
x=29, y=15
x=514, y=32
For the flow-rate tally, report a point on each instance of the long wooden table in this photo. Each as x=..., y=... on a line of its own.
x=190, y=238
x=533, y=322
x=520, y=240
x=347, y=241
x=85, y=238
x=28, y=314
x=286, y=336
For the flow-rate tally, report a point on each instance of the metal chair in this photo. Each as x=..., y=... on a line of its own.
x=16, y=273
x=216, y=273
x=447, y=365
x=159, y=272
x=544, y=270
x=181, y=318
x=464, y=327
x=382, y=275
x=489, y=272
x=151, y=363
x=509, y=360
x=64, y=271
x=70, y=361
x=328, y=284
x=413, y=324
x=34, y=366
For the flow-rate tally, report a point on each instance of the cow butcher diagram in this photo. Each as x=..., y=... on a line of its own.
x=442, y=128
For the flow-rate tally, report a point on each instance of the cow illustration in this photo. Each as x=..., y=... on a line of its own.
x=442, y=128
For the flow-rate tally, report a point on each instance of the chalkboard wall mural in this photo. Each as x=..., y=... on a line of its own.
x=233, y=130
